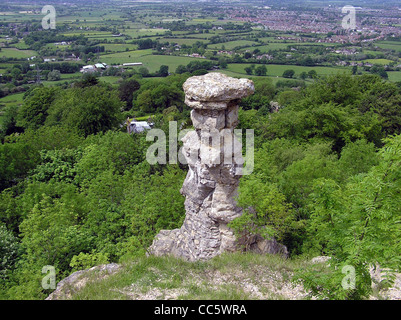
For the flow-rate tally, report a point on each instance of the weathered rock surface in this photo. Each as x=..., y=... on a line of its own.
x=73, y=283
x=215, y=87
x=259, y=280
x=260, y=245
x=214, y=158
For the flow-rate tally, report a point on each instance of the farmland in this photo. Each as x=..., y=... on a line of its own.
x=16, y=53
x=173, y=35
x=390, y=45
x=275, y=70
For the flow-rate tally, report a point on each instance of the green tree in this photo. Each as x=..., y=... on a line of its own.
x=10, y=213
x=312, y=74
x=261, y=70
x=379, y=70
x=223, y=62
x=34, y=110
x=287, y=97
x=15, y=162
x=181, y=69
x=296, y=182
x=266, y=214
x=288, y=73
x=9, y=122
x=51, y=236
x=247, y=55
x=88, y=80
x=57, y=165
x=357, y=157
x=264, y=93
x=89, y=110
x=157, y=96
x=153, y=202
x=126, y=91
x=384, y=99
x=248, y=70
x=9, y=253
x=54, y=75
x=143, y=71
x=357, y=225
x=163, y=71
x=115, y=151
x=303, y=75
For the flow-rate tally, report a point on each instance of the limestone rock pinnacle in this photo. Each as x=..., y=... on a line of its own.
x=214, y=156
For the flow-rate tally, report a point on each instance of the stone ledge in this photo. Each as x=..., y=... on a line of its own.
x=211, y=90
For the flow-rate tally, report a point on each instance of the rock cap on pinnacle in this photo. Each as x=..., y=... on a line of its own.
x=216, y=87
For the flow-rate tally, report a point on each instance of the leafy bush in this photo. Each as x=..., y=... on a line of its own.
x=358, y=224
x=9, y=252
x=89, y=110
x=87, y=260
x=266, y=212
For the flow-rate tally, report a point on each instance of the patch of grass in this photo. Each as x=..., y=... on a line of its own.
x=144, y=118
x=110, y=79
x=277, y=69
x=12, y=99
x=118, y=47
x=389, y=45
x=124, y=57
x=394, y=75
x=16, y=53
x=153, y=62
x=225, y=277
x=378, y=61
x=232, y=44
x=181, y=41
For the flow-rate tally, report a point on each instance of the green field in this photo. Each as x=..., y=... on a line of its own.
x=389, y=45
x=87, y=33
x=118, y=47
x=19, y=16
x=153, y=62
x=374, y=53
x=110, y=79
x=124, y=57
x=181, y=41
x=16, y=53
x=394, y=75
x=285, y=45
x=134, y=33
x=378, y=61
x=232, y=44
x=21, y=45
x=119, y=53
x=11, y=100
x=149, y=61
x=276, y=70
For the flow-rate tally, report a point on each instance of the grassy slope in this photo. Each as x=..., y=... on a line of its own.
x=232, y=276
x=15, y=53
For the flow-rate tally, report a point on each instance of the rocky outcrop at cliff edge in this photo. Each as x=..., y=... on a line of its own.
x=261, y=278
x=67, y=287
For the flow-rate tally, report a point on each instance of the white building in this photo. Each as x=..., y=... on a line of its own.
x=129, y=64
x=138, y=126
